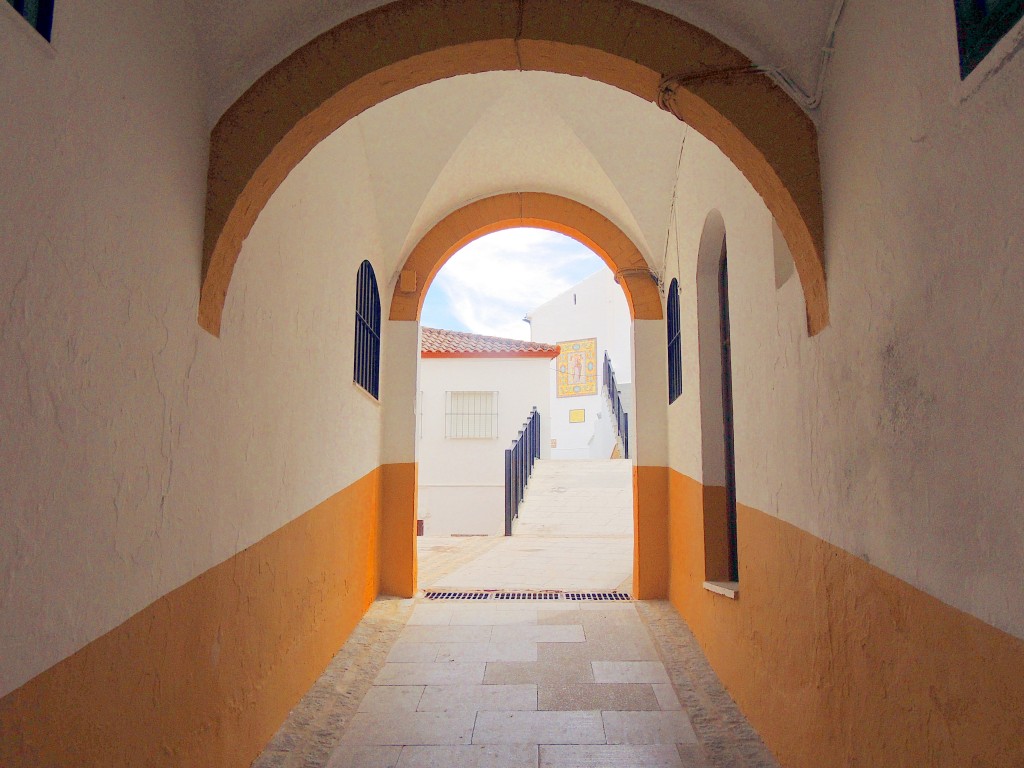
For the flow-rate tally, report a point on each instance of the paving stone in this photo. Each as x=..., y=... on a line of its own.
x=431, y=614
x=629, y=672
x=538, y=728
x=611, y=756
x=521, y=650
x=557, y=633
x=392, y=698
x=648, y=728
x=445, y=634
x=538, y=672
x=488, y=616
x=472, y=756
x=597, y=696
x=478, y=698
x=352, y=756
x=450, y=673
x=637, y=648
x=554, y=615
x=667, y=698
x=400, y=728
x=409, y=652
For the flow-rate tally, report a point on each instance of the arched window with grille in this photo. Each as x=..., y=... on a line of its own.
x=366, y=366
x=675, y=352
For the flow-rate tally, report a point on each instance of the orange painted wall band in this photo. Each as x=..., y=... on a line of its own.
x=651, y=564
x=836, y=662
x=206, y=674
x=397, y=553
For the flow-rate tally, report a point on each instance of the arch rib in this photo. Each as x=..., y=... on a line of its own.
x=526, y=209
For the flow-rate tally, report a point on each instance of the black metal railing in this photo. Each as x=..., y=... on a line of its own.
x=618, y=411
x=519, y=461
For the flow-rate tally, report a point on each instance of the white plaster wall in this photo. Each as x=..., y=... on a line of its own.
x=593, y=308
x=650, y=430
x=399, y=387
x=462, y=482
x=920, y=375
x=102, y=183
x=895, y=433
x=137, y=451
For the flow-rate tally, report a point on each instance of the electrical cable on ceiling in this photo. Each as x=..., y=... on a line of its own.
x=672, y=225
x=811, y=101
x=808, y=101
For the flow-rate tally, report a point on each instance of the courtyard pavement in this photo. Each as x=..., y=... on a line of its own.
x=574, y=532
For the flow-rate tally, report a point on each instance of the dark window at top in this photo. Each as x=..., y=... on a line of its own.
x=366, y=367
x=980, y=24
x=675, y=351
x=38, y=13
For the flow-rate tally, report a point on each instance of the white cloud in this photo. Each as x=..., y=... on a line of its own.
x=491, y=283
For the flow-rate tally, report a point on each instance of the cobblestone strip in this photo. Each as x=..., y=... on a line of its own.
x=726, y=738
x=314, y=727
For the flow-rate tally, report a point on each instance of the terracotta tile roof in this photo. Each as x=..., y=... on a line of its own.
x=440, y=343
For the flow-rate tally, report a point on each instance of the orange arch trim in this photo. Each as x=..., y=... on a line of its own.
x=526, y=209
x=408, y=43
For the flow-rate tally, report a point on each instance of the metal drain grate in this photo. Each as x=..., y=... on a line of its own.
x=430, y=595
x=503, y=594
x=615, y=596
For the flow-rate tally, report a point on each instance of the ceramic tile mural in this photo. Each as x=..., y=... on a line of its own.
x=577, y=368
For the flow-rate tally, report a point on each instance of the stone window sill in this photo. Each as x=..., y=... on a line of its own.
x=730, y=589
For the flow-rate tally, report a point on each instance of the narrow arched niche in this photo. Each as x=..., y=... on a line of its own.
x=651, y=54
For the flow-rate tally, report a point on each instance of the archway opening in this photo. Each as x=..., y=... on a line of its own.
x=640, y=288
x=524, y=399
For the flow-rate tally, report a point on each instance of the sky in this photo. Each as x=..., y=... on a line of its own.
x=493, y=282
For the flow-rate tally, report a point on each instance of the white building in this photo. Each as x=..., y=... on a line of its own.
x=475, y=394
x=581, y=424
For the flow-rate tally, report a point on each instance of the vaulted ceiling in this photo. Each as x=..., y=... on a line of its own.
x=241, y=39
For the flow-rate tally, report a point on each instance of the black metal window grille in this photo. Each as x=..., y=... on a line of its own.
x=727, y=415
x=675, y=350
x=469, y=415
x=980, y=24
x=366, y=365
x=38, y=13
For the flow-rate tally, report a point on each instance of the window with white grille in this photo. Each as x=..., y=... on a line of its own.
x=470, y=415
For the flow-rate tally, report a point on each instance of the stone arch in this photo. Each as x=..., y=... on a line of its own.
x=622, y=43
x=526, y=209
x=638, y=283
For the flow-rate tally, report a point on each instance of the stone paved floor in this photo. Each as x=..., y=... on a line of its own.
x=517, y=684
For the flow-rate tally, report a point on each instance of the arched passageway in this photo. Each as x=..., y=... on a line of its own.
x=654, y=55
